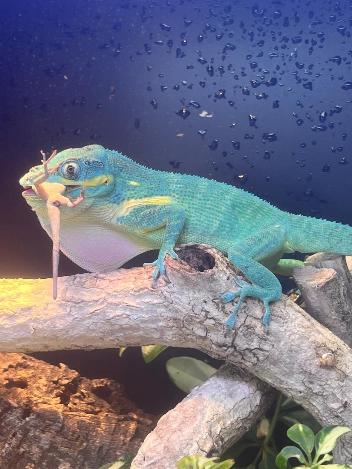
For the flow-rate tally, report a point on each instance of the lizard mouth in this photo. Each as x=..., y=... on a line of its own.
x=30, y=192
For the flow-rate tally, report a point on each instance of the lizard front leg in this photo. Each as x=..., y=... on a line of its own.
x=145, y=220
x=265, y=286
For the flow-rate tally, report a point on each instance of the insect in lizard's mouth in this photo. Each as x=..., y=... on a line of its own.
x=30, y=192
x=70, y=188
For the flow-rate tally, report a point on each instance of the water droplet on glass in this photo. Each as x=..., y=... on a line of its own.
x=194, y=104
x=165, y=27
x=183, y=112
x=347, y=85
x=154, y=103
x=220, y=94
x=252, y=120
x=343, y=160
x=269, y=136
x=323, y=116
x=214, y=144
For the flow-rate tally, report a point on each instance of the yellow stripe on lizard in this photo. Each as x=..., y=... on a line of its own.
x=128, y=205
x=97, y=180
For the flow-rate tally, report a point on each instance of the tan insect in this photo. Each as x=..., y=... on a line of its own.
x=52, y=192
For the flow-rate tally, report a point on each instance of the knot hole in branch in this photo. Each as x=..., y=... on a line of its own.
x=196, y=257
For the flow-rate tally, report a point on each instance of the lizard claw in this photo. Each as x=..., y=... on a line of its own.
x=160, y=270
x=247, y=290
x=229, y=296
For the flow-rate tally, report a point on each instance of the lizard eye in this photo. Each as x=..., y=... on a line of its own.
x=70, y=170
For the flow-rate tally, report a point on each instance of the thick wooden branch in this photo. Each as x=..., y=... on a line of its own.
x=230, y=397
x=325, y=283
x=326, y=286
x=105, y=310
x=209, y=420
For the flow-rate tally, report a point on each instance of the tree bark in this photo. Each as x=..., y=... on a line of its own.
x=121, y=308
x=53, y=418
x=208, y=421
x=326, y=286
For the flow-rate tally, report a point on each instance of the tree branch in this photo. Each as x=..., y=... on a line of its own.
x=120, y=308
x=325, y=283
x=208, y=421
x=326, y=286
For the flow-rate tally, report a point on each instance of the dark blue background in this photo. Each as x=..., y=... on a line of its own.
x=84, y=71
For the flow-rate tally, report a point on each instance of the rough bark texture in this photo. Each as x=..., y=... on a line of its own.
x=212, y=417
x=326, y=286
x=209, y=420
x=325, y=283
x=53, y=418
x=99, y=311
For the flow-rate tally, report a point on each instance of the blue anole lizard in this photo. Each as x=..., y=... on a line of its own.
x=122, y=209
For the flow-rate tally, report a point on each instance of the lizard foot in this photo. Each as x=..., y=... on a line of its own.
x=253, y=291
x=159, y=264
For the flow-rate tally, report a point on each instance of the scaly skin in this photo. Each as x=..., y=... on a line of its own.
x=147, y=209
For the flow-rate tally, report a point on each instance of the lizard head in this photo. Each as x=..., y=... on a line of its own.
x=67, y=183
x=69, y=173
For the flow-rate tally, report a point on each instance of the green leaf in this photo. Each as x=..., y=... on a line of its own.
x=325, y=440
x=228, y=464
x=303, y=436
x=335, y=466
x=187, y=372
x=150, y=352
x=198, y=461
x=287, y=453
x=325, y=458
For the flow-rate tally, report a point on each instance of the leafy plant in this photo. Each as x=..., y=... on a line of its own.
x=122, y=350
x=201, y=462
x=313, y=451
x=150, y=352
x=187, y=372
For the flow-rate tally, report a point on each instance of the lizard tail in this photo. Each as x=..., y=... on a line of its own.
x=308, y=235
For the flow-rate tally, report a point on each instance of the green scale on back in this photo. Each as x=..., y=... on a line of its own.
x=129, y=209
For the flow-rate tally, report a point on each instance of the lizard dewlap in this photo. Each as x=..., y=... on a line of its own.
x=101, y=209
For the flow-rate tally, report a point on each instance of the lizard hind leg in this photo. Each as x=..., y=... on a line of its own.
x=269, y=290
x=264, y=285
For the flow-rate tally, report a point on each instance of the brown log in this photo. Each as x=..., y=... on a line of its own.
x=53, y=418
